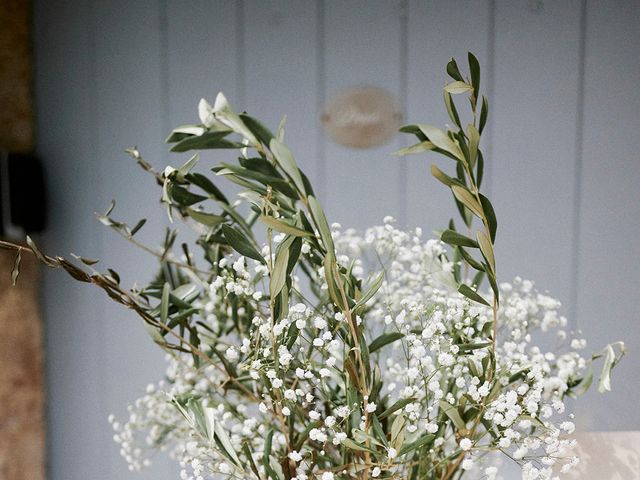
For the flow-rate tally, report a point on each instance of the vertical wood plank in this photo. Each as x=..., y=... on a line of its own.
x=609, y=261
x=281, y=73
x=534, y=120
x=129, y=112
x=65, y=124
x=438, y=31
x=363, y=41
x=204, y=57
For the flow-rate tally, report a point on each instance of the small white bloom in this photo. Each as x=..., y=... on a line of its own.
x=319, y=323
x=232, y=354
x=466, y=444
x=467, y=464
x=295, y=456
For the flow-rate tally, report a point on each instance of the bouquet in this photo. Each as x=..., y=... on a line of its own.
x=300, y=350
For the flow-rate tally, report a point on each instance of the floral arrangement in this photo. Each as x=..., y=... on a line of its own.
x=319, y=353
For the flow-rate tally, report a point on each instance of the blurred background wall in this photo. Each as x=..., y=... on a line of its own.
x=562, y=149
x=22, y=436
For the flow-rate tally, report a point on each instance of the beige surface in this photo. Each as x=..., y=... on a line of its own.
x=22, y=449
x=21, y=383
x=607, y=456
x=16, y=107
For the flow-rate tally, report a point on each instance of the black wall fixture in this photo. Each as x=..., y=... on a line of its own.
x=22, y=195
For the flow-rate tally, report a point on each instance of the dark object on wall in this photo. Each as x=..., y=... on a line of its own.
x=22, y=195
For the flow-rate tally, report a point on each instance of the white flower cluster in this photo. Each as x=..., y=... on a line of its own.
x=267, y=376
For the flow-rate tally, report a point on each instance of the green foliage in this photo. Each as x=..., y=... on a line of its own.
x=463, y=146
x=281, y=200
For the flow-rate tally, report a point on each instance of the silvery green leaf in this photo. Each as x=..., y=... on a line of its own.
x=384, y=339
x=453, y=71
x=451, y=108
x=396, y=406
x=41, y=256
x=458, y=87
x=584, y=384
x=397, y=426
x=466, y=198
x=474, y=141
x=240, y=243
x=253, y=198
x=188, y=166
x=321, y=223
x=472, y=294
x=471, y=261
x=283, y=227
x=474, y=68
x=417, y=148
x=332, y=285
x=422, y=441
x=182, y=196
x=138, y=226
x=262, y=133
x=195, y=408
x=362, y=437
x=490, y=215
x=280, y=131
x=164, y=302
x=205, y=112
x=452, y=412
x=210, y=420
x=486, y=247
x=16, y=268
x=441, y=140
x=154, y=333
x=204, y=218
x=604, y=385
x=206, y=141
x=225, y=114
x=352, y=445
x=279, y=273
x=285, y=159
x=373, y=289
x=225, y=444
x=186, y=292
x=484, y=112
x=182, y=410
x=276, y=468
x=454, y=238
x=178, y=134
x=208, y=119
x=444, y=178
x=85, y=260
